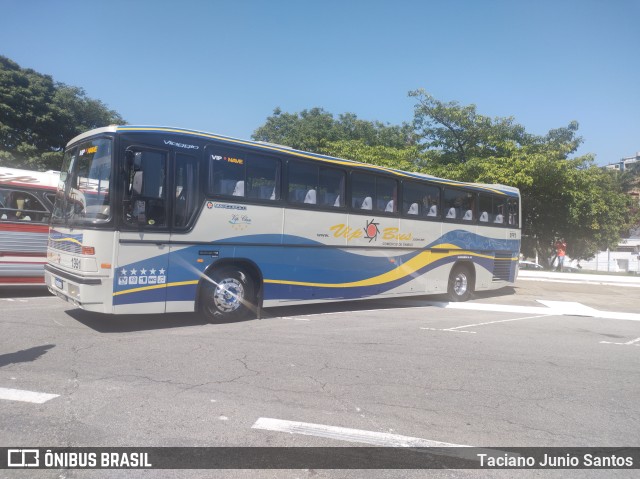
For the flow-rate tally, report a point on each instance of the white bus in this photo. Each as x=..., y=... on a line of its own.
x=155, y=219
x=26, y=201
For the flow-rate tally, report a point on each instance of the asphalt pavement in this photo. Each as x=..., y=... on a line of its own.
x=541, y=364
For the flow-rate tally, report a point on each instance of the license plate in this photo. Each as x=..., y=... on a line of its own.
x=58, y=282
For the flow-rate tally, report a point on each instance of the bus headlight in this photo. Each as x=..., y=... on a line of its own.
x=74, y=290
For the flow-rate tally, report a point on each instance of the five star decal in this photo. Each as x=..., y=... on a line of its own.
x=141, y=277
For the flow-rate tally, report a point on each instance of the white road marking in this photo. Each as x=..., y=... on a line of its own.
x=450, y=330
x=633, y=342
x=552, y=308
x=381, y=439
x=568, y=281
x=569, y=308
x=458, y=329
x=25, y=396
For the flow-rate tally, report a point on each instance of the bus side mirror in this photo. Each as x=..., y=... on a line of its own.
x=137, y=161
x=136, y=184
x=128, y=160
x=133, y=160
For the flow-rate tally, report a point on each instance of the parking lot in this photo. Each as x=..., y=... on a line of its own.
x=541, y=364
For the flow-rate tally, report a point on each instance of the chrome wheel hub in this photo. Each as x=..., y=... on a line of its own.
x=460, y=284
x=228, y=295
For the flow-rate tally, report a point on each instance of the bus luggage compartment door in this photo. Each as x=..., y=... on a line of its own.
x=140, y=279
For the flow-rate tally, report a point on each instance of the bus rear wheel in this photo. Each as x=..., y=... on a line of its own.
x=228, y=295
x=460, y=284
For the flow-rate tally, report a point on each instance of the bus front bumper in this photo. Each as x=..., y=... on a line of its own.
x=84, y=292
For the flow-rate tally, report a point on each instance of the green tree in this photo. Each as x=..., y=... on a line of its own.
x=630, y=180
x=312, y=130
x=453, y=133
x=459, y=133
x=380, y=155
x=38, y=116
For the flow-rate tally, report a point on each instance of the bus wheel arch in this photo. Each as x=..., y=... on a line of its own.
x=462, y=281
x=234, y=291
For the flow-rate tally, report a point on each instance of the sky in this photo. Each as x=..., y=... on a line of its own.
x=223, y=66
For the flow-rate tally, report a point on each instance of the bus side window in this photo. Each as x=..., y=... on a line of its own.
x=420, y=200
x=314, y=185
x=386, y=195
x=452, y=204
x=491, y=209
x=263, y=178
x=303, y=183
x=16, y=205
x=145, y=202
x=3, y=213
x=459, y=205
x=363, y=190
x=331, y=187
x=512, y=206
x=226, y=172
x=487, y=206
x=373, y=192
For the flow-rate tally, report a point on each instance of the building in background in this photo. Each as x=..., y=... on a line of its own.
x=624, y=163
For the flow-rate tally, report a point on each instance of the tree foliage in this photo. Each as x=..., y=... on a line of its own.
x=455, y=134
x=381, y=155
x=312, y=130
x=38, y=116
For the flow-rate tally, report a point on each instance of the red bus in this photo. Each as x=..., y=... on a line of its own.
x=26, y=203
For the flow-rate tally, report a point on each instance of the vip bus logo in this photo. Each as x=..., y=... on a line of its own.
x=181, y=145
x=371, y=230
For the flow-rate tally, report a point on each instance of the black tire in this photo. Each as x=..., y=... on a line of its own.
x=228, y=296
x=460, y=285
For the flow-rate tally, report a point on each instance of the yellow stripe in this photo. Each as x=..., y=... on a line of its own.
x=67, y=239
x=336, y=161
x=406, y=269
x=156, y=286
x=446, y=246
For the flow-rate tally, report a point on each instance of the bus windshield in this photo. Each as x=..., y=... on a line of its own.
x=83, y=191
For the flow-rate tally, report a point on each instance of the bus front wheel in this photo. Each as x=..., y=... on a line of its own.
x=227, y=295
x=460, y=284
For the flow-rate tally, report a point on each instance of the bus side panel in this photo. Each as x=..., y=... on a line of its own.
x=220, y=233
x=23, y=249
x=304, y=265
x=140, y=276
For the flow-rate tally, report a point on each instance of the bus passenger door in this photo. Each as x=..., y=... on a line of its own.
x=185, y=262
x=140, y=279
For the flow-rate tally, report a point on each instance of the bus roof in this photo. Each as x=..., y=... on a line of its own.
x=259, y=145
x=17, y=177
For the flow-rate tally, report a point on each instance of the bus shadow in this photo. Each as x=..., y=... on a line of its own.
x=127, y=323
x=371, y=304
x=108, y=323
x=497, y=293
